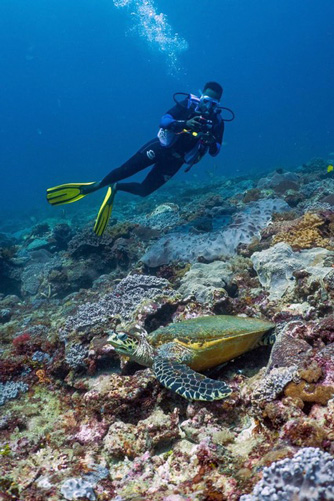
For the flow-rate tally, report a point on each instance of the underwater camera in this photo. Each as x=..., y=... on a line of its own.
x=205, y=125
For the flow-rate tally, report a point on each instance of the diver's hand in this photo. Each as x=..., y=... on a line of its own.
x=208, y=139
x=194, y=124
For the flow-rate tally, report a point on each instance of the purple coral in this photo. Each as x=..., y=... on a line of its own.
x=123, y=301
x=83, y=487
x=10, y=390
x=76, y=355
x=308, y=476
x=76, y=488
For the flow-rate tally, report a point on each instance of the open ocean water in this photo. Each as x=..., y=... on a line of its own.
x=84, y=84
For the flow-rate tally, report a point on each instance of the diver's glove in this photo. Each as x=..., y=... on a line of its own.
x=208, y=139
x=194, y=124
x=176, y=126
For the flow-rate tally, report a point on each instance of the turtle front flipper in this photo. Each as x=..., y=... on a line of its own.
x=188, y=383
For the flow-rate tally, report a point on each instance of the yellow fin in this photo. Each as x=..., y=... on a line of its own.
x=105, y=211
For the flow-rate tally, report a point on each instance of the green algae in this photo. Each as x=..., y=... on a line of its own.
x=5, y=450
x=40, y=411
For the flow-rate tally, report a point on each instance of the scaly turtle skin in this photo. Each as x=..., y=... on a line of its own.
x=178, y=351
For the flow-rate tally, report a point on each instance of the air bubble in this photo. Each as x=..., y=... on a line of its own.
x=155, y=29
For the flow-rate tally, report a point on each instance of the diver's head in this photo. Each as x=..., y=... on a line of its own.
x=209, y=100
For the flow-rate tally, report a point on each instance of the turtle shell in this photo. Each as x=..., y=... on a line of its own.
x=212, y=340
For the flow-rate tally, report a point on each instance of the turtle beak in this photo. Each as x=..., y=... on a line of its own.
x=121, y=342
x=116, y=338
x=112, y=337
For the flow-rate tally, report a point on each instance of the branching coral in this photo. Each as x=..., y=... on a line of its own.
x=304, y=233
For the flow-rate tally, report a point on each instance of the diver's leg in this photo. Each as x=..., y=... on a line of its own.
x=158, y=176
x=146, y=156
x=142, y=159
x=71, y=192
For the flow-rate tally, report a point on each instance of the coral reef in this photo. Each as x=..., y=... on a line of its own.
x=75, y=356
x=126, y=297
x=268, y=388
x=78, y=421
x=277, y=178
x=126, y=439
x=83, y=487
x=76, y=488
x=163, y=218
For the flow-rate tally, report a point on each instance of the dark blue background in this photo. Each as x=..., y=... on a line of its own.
x=79, y=94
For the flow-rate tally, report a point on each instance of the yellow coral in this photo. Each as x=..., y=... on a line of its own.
x=42, y=377
x=305, y=234
x=307, y=392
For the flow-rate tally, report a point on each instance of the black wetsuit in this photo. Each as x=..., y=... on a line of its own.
x=167, y=160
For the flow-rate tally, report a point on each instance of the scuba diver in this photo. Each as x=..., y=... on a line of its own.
x=193, y=127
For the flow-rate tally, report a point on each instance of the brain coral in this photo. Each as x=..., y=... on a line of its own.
x=183, y=246
x=303, y=233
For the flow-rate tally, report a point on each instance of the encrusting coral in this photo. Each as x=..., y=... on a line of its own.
x=303, y=233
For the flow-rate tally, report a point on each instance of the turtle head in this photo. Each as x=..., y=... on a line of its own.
x=123, y=343
x=132, y=344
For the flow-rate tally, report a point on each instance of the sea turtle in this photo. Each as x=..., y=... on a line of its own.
x=176, y=352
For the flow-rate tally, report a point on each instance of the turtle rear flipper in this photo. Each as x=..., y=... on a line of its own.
x=267, y=339
x=188, y=383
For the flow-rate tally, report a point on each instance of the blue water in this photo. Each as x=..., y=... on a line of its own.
x=83, y=85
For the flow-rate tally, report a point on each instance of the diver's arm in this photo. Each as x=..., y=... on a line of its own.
x=170, y=123
x=176, y=118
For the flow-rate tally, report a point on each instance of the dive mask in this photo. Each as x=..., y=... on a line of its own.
x=207, y=103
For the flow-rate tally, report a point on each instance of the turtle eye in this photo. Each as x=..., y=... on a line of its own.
x=122, y=336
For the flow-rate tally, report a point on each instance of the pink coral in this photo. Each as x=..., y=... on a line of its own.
x=91, y=431
x=325, y=359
